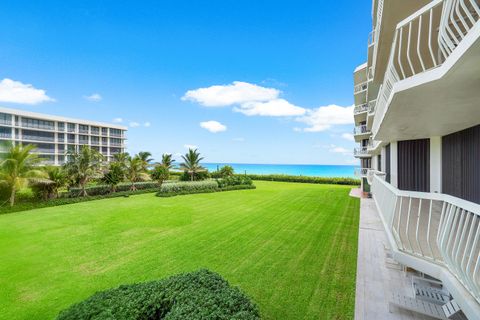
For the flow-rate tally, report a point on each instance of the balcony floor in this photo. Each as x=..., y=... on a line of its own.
x=375, y=281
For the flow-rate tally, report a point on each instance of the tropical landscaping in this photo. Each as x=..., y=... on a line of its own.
x=290, y=248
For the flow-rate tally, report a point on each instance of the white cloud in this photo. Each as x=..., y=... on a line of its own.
x=18, y=92
x=117, y=120
x=272, y=108
x=190, y=146
x=237, y=92
x=348, y=136
x=239, y=139
x=336, y=149
x=213, y=126
x=147, y=124
x=94, y=97
x=323, y=118
x=134, y=124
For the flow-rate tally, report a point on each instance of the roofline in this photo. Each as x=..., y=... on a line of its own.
x=360, y=67
x=44, y=116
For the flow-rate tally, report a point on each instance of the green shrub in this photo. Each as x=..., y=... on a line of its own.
x=198, y=176
x=106, y=189
x=197, y=295
x=304, y=179
x=234, y=181
x=185, y=192
x=189, y=186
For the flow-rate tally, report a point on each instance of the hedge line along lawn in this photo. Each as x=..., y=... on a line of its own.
x=292, y=247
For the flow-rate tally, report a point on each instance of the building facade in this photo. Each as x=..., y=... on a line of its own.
x=417, y=122
x=55, y=136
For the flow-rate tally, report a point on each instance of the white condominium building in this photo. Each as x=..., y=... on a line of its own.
x=54, y=136
x=417, y=122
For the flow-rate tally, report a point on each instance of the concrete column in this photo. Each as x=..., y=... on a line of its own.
x=436, y=164
x=382, y=160
x=394, y=163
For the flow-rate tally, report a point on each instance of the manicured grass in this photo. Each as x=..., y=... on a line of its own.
x=291, y=247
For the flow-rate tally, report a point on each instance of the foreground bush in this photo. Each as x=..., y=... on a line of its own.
x=197, y=295
x=106, y=189
x=234, y=181
x=189, y=186
x=304, y=179
x=184, y=192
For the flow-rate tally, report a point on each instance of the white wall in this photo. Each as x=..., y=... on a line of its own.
x=394, y=164
x=436, y=164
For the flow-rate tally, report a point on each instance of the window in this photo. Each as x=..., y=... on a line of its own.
x=5, y=132
x=71, y=138
x=61, y=137
x=115, y=132
x=37, y=135
x=61, y=126
x=39, y=124
x=94, y=130
x=61, y=148
x=104, y=131
x=95, y=140
x=104, y=141
x=83, y=128
x=82, y=139
x=104, y=150
x=5, y=118
x=115, y=142
x=71, y=127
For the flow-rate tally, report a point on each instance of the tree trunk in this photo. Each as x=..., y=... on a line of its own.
x=84, y=191
x=12, y=196
x=133, y=188
x=191, y=176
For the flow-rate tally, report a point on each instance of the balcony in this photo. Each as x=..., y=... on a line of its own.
x=432, y=73
x=361, y=152
x=360, y=109
x=361, y=87
x=361, y=132
x=361, y=172
x=436, y=234
x=6, y=122
x=37, y=138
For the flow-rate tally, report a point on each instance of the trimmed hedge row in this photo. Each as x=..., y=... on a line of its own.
x=22, y=206
x=106, y=189
x=197, y=295
x=185, y=192
x=304, y=179
x=189, y=186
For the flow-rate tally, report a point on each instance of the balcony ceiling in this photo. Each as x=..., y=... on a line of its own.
x=393, y=12
x=437, y=102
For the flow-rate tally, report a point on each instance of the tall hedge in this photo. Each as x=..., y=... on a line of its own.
x=305, y=179
x=197, y=295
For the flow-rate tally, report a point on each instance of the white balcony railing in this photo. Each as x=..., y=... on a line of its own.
x=360, y=108
x=434, y=227
x=423, y=41
x=360, y=87
x=361, y=151
x=361, y=172
x=371, y=106
x=358, y=130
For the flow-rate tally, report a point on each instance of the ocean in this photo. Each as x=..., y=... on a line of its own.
x=290, y=169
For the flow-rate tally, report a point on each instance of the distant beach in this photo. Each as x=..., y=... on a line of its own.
x=290, y=169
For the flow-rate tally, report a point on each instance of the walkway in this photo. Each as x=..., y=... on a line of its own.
x=376, y=281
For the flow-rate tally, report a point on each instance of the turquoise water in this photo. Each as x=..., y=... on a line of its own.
x=290, y=169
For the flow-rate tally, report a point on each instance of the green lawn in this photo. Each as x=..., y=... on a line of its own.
x=292, y=247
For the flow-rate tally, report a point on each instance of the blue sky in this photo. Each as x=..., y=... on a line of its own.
x=274, y=67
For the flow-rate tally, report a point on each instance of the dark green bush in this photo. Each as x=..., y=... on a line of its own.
x=106, y=189
x=198, y=176
x=304, y=179
x=197, y=295
x=184, y=192
x=234, y=181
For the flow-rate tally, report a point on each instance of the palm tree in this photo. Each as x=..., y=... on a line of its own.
x=58, y=179
x=114, y=175
x=121, y=157
x=191, y=163
x=144, y=156
x=18, y=167
x=135, y=172
x=167, y=161
x=160, y=173
x=83, y=166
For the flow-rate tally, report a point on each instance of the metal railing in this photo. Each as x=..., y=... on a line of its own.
x=360, y=130
x=361, y=151
x=423, y=41
x=361, y=172
x=434, y=227
x=360, y=108
x=360, y=87
x=37, y=138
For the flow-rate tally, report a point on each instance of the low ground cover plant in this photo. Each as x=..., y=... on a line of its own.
x=202, y=294
x=305, y=179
